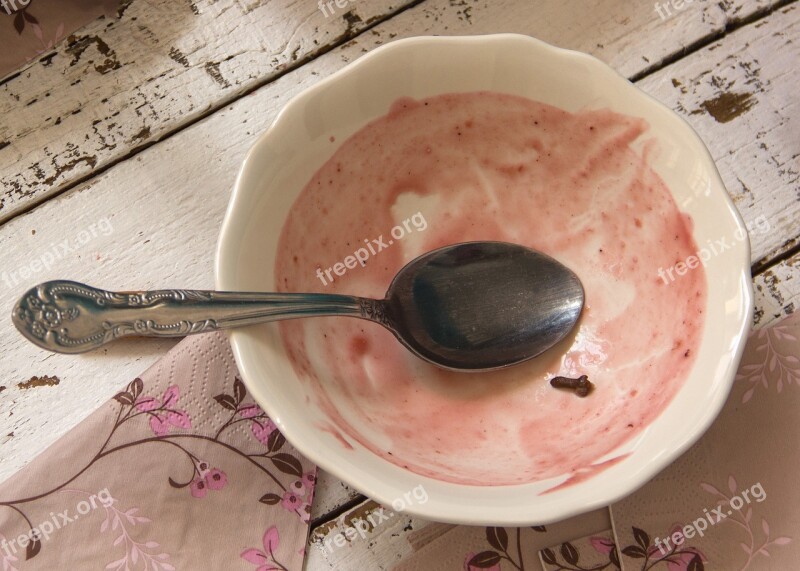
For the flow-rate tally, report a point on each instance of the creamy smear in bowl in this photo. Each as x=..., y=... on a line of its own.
x=489, y=166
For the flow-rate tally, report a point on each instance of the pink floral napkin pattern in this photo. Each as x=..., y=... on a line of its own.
x=181, y=470
x=467, y=548
x=31, y=28
x=731, y=501
x=591, y=553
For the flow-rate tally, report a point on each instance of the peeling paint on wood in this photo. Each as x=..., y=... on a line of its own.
x=179, y=57
x=352, y=19
x=777, y=291
x=364, y=537
x=728, y=106
x=739, y=96
x=142, y=135
x=161, y=63
x=212, y=69
x=77, y=45
x=34, y=382
x=155, y=65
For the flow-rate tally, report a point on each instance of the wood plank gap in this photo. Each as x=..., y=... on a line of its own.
x=16, y=74
x=731, y=26
x=767, y=263
x=332, y=515
x=347, y=36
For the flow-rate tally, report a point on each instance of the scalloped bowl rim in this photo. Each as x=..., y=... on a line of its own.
x=522, y=504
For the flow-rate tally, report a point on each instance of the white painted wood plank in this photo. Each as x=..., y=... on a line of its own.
x=778, y=291
x=740, y=94
x=119, y=85
x=375, y=537
x=330, y=494
x=368, y=536
x=165, y=222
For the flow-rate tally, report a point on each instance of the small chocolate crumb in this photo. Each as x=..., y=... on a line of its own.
x=581, y=386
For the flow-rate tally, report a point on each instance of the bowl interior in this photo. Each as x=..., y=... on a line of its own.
x=298, y=143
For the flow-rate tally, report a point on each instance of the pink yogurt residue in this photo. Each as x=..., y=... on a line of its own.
x=488, y=166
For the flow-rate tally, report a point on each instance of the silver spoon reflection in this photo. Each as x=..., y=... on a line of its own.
x=469, y=307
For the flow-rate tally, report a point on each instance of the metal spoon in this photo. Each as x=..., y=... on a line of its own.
x=471, y=306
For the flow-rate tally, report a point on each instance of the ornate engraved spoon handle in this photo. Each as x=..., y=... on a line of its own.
x=69, y=317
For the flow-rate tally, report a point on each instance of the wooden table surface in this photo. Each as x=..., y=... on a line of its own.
x=119, y=149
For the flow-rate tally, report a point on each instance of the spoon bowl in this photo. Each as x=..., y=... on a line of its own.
x=472, y=306
x=483, y=305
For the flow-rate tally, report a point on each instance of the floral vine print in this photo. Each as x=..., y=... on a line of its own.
x=287, y=485
x=18, y=9
x=497, y=537
x=24, y=19
x=676, y=558
x=753, y=547
x=265, y=560
x=148, y=552
x=568, y=557
x=770, y=361
x=6, y=558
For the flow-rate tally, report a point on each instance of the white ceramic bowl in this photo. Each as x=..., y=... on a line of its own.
x=283, y=160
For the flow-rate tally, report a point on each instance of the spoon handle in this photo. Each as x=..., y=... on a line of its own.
x=70, y=317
